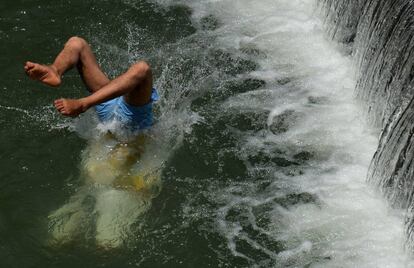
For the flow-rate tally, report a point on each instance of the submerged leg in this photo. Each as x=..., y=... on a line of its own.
x=71, y=221
x=117, y=210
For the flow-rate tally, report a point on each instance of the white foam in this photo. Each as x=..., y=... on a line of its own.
x=352, y=226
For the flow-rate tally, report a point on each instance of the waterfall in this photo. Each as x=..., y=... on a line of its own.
x=380, y=35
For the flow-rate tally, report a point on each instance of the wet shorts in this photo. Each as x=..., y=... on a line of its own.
x=133, y=117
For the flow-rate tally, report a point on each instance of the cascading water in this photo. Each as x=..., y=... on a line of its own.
x=279, y=154
x=260, y=149
x=383, y=51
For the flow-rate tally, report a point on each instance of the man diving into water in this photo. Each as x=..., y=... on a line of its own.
x=127, y=98
x=122, y=182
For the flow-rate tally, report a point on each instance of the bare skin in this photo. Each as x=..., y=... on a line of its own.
x=45, y=74
x=135, y=85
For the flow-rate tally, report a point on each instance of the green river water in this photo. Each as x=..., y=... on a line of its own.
x=261, y=151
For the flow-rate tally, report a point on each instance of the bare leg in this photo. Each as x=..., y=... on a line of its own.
x=135, y=85
x=78, y=53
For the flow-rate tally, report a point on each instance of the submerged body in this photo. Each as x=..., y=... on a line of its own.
x=119, y=180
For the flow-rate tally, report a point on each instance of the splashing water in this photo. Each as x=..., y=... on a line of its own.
x=257, y=136
x=295, y=129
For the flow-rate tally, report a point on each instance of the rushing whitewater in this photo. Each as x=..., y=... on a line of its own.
x=381, y=37
x=260, y=150
x=282, y=143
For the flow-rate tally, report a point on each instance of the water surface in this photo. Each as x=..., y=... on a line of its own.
x=264, y=151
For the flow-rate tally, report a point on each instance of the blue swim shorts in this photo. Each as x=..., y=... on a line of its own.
x=133, y=117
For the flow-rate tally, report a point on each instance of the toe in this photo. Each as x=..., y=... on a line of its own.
x=30, y=73
x=59, y=104
x=29, y=65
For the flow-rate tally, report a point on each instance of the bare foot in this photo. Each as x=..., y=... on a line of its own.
x=70, y=107
x=43, y=73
